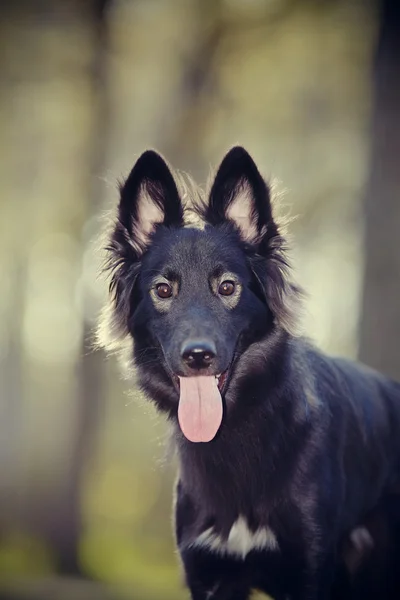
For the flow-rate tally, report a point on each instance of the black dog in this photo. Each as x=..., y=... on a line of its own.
x=282, y=450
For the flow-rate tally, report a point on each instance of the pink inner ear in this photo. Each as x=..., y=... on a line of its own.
x=149, y=214
x=239, y=211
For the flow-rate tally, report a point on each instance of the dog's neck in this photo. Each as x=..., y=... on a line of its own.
x=254, y=452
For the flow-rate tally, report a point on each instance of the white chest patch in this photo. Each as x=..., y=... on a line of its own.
x=240, y=541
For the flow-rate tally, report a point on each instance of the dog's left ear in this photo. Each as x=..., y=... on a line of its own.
x=239, y=194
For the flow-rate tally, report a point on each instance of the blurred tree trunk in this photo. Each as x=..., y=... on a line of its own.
x=66, y=537
x=380, y=322
x=53, y=126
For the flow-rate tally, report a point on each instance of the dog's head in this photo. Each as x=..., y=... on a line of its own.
x=196, y=301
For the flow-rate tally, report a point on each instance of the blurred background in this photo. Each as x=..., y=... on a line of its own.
x=312, y=89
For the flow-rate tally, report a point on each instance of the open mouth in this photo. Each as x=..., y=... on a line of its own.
x=221, y=380
x=200, y=408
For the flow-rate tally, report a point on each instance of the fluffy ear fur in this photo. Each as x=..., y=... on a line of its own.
x=240, y=196
x=148, y=198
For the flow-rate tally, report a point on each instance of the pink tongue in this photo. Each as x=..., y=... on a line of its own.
x=200, y=408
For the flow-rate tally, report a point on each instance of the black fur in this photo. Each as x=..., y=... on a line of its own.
x=308, y=444
x=369, y=569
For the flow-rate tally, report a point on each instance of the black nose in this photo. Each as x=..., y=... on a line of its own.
x=198, y=354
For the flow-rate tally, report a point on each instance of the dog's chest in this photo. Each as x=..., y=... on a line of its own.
x=240, y=541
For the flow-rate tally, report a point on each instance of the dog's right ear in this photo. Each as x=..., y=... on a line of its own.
x=148, y=197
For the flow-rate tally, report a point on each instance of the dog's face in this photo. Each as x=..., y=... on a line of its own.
x=195, y=300
x=196, y=297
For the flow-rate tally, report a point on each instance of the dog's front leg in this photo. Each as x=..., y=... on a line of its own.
x=311, y=579
x=325, y=576
x=320, y=583
x=221, y=591
x=310, y=590
x=210, y=577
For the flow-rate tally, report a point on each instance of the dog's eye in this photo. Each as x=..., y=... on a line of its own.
x=163, y=290
x=226, y=288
